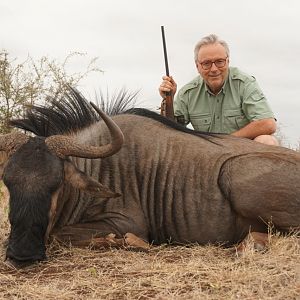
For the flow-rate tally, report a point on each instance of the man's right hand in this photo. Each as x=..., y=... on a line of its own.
x=168, y=85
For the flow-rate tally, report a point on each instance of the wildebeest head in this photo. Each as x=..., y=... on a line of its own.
x=34, y=173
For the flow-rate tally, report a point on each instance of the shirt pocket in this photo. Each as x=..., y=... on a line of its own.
x=201, y=122
x=234, y=119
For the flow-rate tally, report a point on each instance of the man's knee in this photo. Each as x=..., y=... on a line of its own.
x=267, y=139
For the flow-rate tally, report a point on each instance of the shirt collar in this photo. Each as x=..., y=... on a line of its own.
x=221, y=91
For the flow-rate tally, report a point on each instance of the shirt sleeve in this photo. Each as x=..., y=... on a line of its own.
x=255, y=104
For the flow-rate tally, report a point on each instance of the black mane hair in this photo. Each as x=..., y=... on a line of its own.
x=170, y=123
x=70, y=113
x=73, y=112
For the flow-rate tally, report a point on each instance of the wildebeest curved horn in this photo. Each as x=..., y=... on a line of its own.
x=65, y=146
x=11, y=142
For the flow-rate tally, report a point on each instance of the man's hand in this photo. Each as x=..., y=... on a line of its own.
x=168, y=85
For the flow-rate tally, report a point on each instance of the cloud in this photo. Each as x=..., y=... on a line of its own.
x=125, y=35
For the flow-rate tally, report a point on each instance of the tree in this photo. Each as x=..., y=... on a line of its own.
x=29, y=82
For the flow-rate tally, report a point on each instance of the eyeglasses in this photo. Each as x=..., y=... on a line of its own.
x=219, y=63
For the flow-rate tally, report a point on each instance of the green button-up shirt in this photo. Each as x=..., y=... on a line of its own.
x=240, y=102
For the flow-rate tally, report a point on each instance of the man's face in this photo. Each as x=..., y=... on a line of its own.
x=214, y=74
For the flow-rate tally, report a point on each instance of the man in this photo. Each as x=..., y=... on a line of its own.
x=222, y=99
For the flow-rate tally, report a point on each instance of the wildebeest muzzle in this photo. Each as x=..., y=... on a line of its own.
x=25, y=250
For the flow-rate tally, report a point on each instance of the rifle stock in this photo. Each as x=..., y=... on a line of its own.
x=166, y=109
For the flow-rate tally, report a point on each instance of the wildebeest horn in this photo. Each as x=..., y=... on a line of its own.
x=11, y=142
x=65, y=146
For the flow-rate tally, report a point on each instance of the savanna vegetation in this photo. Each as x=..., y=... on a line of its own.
x=165, y=272
x=25, y=83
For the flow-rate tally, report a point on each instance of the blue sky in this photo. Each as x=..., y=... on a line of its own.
x=125, y=36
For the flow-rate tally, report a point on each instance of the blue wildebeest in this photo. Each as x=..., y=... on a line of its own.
x=162, y=183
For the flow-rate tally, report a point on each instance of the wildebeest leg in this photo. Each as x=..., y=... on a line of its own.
x=258, y=240
x=263, y=187
x=129, y=241
x=135, y=243
x=109, y=241
x=98, y=235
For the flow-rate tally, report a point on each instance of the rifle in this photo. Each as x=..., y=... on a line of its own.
x=166, y=108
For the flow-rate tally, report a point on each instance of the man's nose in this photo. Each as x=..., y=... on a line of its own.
x=214, y=67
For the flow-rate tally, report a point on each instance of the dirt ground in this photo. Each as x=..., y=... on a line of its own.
x=166, y=272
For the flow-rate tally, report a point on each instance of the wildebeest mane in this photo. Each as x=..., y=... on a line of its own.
x=70, y=113
x=73, y=112
x=153, y=115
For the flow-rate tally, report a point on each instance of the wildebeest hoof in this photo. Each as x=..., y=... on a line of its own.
x=260, y=247
x=111, y=237
x=257, y=241
x=16, y=265
x=135, y=243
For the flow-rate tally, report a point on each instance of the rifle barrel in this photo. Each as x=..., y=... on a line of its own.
x=165, y=50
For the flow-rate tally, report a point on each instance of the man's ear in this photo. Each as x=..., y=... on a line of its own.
x=197, y=66
x=83, y=182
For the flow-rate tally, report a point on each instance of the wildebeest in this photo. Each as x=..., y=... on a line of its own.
x=163, y=183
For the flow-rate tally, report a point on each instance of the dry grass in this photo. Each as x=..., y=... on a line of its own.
x=165, y=273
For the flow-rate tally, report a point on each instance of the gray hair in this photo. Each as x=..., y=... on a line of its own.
x=208, y=40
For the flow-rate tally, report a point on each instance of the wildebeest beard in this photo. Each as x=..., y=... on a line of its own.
x=32, y=176
x=29, y=220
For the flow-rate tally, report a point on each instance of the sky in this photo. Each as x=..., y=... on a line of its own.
x=125, y=36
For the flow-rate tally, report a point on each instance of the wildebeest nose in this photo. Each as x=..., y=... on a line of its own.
x=18, y=264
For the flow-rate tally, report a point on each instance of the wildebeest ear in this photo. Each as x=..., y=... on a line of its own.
x=83, y=182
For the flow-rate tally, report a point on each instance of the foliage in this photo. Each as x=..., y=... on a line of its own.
x=23, y=84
